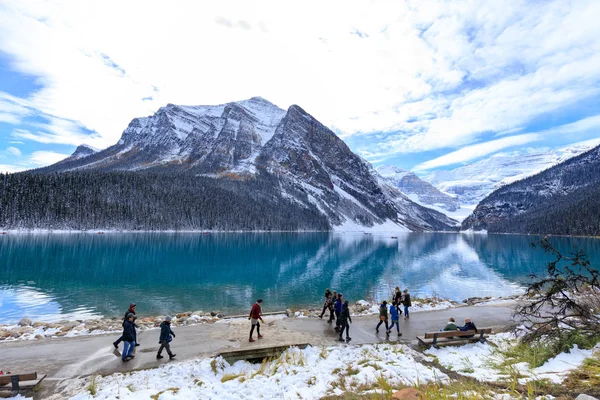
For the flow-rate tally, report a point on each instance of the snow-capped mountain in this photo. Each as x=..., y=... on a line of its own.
x=252, y=138
x=416, y=189
x=472, y=183
x=564, y=199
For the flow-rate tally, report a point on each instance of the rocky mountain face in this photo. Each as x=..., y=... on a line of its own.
x=417, y=189
x=564, y=199
x=473, y=182
x=255, y=140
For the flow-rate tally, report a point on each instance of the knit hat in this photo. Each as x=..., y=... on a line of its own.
x=168, y=318
x=130, y=315
x=131, y=305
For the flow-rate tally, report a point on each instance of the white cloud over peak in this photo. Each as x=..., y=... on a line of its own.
x=41, y=158
x=436, y=74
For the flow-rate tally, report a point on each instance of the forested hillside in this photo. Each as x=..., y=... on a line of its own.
x=563, y=200
x=150, y=201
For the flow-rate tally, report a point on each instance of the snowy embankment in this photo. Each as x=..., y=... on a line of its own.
x=297, y=374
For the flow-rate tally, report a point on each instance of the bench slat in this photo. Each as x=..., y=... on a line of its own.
x=6, y=379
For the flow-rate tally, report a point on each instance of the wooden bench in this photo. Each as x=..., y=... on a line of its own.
x=16, y=382
x=449, y=337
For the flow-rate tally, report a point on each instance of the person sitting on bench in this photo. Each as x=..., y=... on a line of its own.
x=469, y=326
x=450, y=326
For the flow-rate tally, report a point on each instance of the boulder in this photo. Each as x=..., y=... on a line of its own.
x=25, y=322
x=408, y=394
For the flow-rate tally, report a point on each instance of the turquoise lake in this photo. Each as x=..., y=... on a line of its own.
x=55, y=276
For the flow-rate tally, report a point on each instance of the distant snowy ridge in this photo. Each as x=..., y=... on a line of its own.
x=416, y=189
x=473, y=182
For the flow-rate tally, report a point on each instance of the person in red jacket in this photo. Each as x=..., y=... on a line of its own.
x=255, y=316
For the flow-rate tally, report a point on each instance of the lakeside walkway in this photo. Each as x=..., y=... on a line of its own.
x=65, y=358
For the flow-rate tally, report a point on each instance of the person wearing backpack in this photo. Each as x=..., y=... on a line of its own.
x=383, y=317
x=166, y=335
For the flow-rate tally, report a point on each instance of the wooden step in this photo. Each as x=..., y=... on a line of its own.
x=257, y=354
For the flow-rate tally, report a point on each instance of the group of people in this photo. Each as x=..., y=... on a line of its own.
x=399, y=298
x=339, y=312
x=129, y=336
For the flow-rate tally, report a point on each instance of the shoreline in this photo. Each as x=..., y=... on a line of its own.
x=27, y=329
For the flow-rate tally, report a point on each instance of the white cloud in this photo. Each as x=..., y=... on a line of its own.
x=14, y=151
x=43, y=158
x=472, y=152
x=439, y=73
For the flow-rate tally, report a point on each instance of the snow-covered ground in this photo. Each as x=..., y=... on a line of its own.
x=480, y=360
x=297, y=374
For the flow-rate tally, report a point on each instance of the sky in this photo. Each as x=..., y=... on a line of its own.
x=422, y=84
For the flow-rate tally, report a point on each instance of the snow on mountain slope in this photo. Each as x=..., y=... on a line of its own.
x=418, y=190
x=254, y=139
x=472, y=183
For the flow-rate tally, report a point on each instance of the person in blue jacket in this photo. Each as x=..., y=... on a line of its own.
x=338, y=310
x=128, y=338
x=395, y=318
x=469, y=326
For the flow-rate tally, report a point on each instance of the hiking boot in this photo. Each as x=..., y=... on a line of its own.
x=388, y=332
x=260, y=336
x=399, y=334
x=348, y=339
x=172, y=356
x=116, y=345
x=137, y=344
x=251, y=340
x=159, y=356
x=131, y=356
x=341, y=340
x=377, y=330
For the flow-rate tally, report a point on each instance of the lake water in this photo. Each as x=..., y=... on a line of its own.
x=79, y=275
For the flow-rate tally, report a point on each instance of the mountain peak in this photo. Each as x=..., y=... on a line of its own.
x=83, y=150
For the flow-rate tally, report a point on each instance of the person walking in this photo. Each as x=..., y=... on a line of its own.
x=344, y=319
x=397, y=298
x=128, y=338
x=255, y=316
x=406, y=302
x=338, y=311
x=383, y=317
x=395, y=318
x=166, y=335
x=326, y=304
x=131, y=309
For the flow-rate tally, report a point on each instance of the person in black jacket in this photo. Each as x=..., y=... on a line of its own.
x=469, y=326
x=131, y=309
x=326, y=304
x=165, y=338
x=344, y=318
x=383, y=317
x=128, y=338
